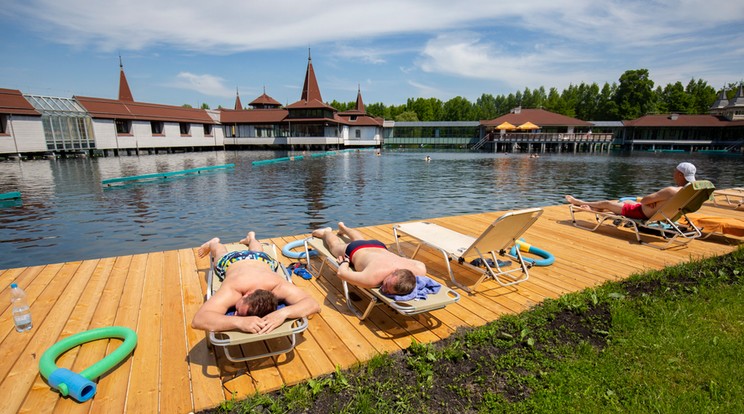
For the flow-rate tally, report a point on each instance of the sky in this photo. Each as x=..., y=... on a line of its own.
x=177, y=52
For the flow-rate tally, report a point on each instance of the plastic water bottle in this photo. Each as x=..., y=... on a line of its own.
x=21, y=311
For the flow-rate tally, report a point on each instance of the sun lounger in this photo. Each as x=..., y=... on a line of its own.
x=439, y=300
x=499, y=237
x=664, y=223
x=733, y=197
x=231, y=341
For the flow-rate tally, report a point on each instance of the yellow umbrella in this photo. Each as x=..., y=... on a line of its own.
x=528, y=125
x=506, y=125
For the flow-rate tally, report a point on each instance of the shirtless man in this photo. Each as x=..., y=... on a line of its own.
x=683, y=174
x=253, y=288
x=374, y=265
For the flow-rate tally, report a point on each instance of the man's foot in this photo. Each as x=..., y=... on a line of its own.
x=319, y=233
x=574, y=201
x=207, y=247
x=251, y=236
x=342, y=229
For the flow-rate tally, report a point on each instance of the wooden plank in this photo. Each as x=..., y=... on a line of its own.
x=205, y=376
x=174, y=397
x=146, y=374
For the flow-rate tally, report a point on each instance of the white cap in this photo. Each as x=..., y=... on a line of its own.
x=688, y=170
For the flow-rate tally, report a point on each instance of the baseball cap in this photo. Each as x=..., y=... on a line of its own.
x=688, y=170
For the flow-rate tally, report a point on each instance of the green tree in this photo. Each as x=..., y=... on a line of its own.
x=701, y=95
x=458, y=109
x=675, y=99
x=408, y=116
x=205, y=106
x=634, y=96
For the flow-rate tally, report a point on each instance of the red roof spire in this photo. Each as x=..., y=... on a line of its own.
x=124, y=93
x=310, y=90
x=359, y=102
x=238, y=105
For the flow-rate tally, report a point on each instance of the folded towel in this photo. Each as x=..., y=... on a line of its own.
x=424, y=286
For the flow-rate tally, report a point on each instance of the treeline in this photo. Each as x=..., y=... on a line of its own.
x=632, y=97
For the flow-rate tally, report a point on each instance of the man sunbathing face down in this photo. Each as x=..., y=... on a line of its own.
x=373, y=264
x=684, y=173
x=252, y=286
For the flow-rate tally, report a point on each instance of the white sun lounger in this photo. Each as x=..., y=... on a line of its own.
x=499, y=237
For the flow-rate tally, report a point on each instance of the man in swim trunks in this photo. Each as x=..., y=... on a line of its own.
x=253, y=288
x=684, y=173
x=373, y=264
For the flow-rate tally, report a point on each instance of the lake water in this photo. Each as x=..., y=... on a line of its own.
x=67, y=214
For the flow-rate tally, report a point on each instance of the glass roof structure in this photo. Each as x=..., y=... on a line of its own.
x=67, y=125
x=56, y=106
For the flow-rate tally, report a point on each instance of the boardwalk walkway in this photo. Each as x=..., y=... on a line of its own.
x=173, y=371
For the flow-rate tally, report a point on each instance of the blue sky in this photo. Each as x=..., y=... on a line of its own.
x=184, y=51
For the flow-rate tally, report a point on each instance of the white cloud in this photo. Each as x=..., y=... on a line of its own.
x=205, y=84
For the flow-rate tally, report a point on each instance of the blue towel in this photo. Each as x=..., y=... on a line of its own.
x=424, y=286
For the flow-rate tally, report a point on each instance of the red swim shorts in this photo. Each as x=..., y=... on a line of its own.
x=634, y=211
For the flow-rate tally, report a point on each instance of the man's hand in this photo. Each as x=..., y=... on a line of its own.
x=251, y=324
x=272, y=321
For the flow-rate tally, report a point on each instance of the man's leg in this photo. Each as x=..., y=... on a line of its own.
x=335, y=245
x=214, y=247
x=613, y=206
x=353, y=234
x=252, y=243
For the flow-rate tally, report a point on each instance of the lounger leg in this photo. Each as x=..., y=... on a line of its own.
x=361, y=315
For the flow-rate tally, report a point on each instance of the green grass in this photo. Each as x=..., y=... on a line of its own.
x=670, y=341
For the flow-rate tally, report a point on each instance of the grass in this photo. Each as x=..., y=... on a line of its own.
x=667, y=342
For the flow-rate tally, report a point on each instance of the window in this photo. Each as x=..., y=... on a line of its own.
x=358, y=133
x=208, y=130
x=3, y=124
x=156, y=127
x=185, y=128
x=123, y=126
x=353, y=118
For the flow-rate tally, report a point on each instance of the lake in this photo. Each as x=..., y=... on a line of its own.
x=66, y=214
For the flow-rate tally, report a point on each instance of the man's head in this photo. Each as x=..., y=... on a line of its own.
x=687, y=171
x=259, y=303
x=400, y=282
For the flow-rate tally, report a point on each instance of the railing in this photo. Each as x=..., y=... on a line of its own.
x=552, y=137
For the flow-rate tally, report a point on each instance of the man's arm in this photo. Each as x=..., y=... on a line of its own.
x=362, y=279
x=211, y=315
x=662, y=195
x=298, y=304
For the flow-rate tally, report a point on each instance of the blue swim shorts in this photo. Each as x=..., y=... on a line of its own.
x=220, y=268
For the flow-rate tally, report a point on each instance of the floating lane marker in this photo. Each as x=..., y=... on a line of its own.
x=166, y=174
x=13, y=195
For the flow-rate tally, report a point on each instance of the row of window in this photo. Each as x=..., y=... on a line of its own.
x=124, y=127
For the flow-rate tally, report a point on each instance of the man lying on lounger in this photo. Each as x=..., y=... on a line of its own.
x=683, y=174
x=252, y=287
x=374, y=265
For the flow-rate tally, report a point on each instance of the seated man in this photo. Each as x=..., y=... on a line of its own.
x=374, y=265
x=683, y=174
x=253, y=288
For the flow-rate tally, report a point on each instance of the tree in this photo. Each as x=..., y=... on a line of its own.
x=701, y=95
x=634, y=96
x=458, y=109
x=205, y=106
x=675, y=99
x=408, y=116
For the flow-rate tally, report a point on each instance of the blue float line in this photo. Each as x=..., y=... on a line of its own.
x=164, y=175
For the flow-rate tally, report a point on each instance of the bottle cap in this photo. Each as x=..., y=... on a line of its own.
x=13, y=285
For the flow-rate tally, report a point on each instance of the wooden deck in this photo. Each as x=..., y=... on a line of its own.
x=173, y=371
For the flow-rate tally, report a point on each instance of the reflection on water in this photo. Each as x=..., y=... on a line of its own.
x=66, y=214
